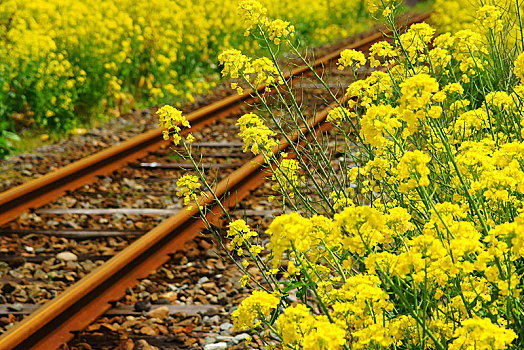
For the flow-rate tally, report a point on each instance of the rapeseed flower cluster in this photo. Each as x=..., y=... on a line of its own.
x=258, y=72
x=187, y=187
x=411, y=235
x=254, y=309
x=286, y=177
x=351, y=58
x=241, y=233
x=256, y=134
x=171, y=120
x=338, y=114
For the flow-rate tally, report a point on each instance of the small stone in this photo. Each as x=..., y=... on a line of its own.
x=222, y=298
x=160, y=312
x=205, y=245
x=39, y=274
x=142, y=344
x=170, y=296
x=212, y=253
x=16, y=274
x=240, y=337
x=220, y=265
x=71, y=265
x=15, y=307
x=147, y=330
x=226, y=338
x=143, y=294
x=142, y=305
x=212, y=311
x=203, y=280
x=212, y=320
x=208, y=286
x=30, y=250
x=216, y=346
x=226, y=326
x=190, y=341
x=209, y=340
x=162, y=329
x=66, y=256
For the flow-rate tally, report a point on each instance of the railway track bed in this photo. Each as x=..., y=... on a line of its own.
x=82, y=254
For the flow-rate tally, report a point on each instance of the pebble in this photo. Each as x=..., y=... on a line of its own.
x=209, y=285
x=170, y=297
x=203, y=280
x=147, y=330
x=240, y=337
x=15, y=307
x=16, y=274
x=142, y=344
x=226, y=326
x=205, y=245
x=143, y=294
x=66, y=256
x=211, y=311
x=211, y=320
x=160, y=312
x=216, y=346
x=209, y=340
x=212, y=253
x=39, y=274
x=143, y=305
x=222, y=298
x=226, y=338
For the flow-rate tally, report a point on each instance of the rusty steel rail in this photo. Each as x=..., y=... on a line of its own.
x=79, y=305
x=47, y=188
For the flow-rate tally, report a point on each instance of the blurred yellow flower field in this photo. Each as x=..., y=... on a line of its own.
x=63, y=60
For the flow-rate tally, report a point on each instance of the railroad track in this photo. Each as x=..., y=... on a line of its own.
x=76, y=307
